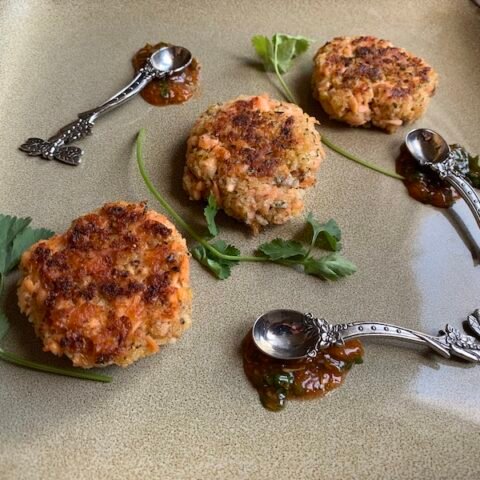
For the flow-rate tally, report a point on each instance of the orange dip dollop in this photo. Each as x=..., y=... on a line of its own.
x=279, y=380
x=176, y=88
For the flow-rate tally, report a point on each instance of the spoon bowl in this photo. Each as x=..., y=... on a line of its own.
x=431, y=150
x=170, y=60
x=427, y=146
x=282, y=334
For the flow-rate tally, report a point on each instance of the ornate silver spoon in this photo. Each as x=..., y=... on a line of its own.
x=289, y=335
x=430, y=149
x=165, y=61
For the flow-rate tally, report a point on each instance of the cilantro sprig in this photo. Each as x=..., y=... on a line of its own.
x=277, y=55
x=323, y=235
x=16, y=236
x=219, y=257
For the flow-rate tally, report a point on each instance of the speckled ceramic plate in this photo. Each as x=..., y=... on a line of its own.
x=189, y=412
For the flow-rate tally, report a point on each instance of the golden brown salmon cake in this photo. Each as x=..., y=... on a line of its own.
x=366, y=80
x=111, y=289
x=257, y=156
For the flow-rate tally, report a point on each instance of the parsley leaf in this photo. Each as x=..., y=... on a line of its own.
x=220, y=267
x=219, y=257
x=10, y=227
x=280, y=51
x=24, y=241
x=279, y=249
x=210, y=212
x=15, y=237
x=325, y=235
x=330, y=267
x=277, y=55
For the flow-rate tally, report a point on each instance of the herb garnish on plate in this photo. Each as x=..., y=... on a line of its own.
x=220, y=257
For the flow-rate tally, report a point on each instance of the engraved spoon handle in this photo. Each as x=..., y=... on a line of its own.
x=386, y=330
x=55, y=147
x=461, y=185
x=450, y=341
x=142, y=79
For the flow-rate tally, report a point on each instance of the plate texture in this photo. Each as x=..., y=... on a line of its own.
x=189, y=411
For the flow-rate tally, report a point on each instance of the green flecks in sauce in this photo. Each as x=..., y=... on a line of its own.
x=279, y=380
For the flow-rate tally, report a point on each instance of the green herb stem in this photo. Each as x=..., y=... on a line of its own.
x=286, y=90
x=179, y=220
x=358, y=160
x=287, y=253
x=289, y=96
x=11, y=358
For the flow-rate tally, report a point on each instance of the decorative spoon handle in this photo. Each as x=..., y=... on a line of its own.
x=447, y=171
x=450, y=342
x=55, y=147
x=464, y=189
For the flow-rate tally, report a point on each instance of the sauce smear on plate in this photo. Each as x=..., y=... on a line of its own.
x=422, y=183
x=279, y=380
x=176, y=88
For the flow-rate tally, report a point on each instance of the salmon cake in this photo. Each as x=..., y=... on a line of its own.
x=257, y=156
x=368, y=81
x=111, y=289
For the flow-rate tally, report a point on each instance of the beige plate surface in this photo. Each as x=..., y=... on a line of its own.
x=189, y=411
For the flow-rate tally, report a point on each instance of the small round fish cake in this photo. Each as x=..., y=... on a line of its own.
x=257, y=156
x=366, y=80
x=111, y=289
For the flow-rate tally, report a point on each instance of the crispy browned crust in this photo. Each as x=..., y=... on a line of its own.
x=256, y=140
x=256, y=155
x=363, y=80
x=111, y=288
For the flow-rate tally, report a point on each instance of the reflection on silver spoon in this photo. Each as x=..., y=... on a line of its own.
x=431, y=150
x=165, y=61
x=289, y=335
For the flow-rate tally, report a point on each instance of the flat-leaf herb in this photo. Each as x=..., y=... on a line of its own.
x=219, y=257
x=280, y=249
x=325, y=235
x=220, y=267
x=210, y=212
